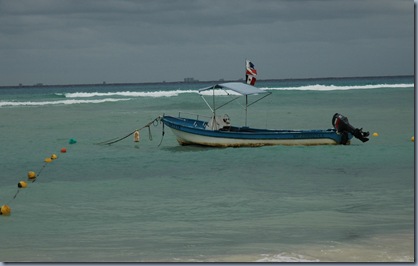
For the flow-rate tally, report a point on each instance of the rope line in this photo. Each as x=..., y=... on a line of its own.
x=114, y=140
x=162, y=135
x=154, y=122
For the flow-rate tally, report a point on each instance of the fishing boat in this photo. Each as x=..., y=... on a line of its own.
x=217, y=131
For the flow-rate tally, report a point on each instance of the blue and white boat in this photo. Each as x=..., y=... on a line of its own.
x=216, y=131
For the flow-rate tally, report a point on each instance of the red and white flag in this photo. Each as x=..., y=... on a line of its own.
x=250, y=73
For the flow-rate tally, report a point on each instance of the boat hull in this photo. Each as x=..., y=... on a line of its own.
x=193, y=132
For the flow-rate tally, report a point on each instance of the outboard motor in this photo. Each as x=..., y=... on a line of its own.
x=342, y=126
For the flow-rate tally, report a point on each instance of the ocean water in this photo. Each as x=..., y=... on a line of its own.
x=140, y=202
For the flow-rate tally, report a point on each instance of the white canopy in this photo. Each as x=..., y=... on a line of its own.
x=238, y=87
x=241, y=88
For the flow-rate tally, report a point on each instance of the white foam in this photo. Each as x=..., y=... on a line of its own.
x=173, y=93
x=66, y=102
x=283, y=257
x=154, y=94
x=319, y=87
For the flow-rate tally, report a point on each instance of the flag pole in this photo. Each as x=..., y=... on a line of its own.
x=246, y=96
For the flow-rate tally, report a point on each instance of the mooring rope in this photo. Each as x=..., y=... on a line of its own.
x=162, y=136
x=154, y=122
x=114, y=140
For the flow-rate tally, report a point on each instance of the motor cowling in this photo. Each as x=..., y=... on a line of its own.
x=342, y=126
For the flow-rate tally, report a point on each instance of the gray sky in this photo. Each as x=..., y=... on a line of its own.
x=122, y=41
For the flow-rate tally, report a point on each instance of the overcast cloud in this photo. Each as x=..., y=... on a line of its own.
x=91, y=41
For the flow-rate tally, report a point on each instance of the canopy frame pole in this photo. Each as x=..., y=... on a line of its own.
x=237, y=87
x=214, y=108
x=246, y=108
x=213, y=100
x=210, y=107
x=227, y=103
x=247, y=105
x=268, y=93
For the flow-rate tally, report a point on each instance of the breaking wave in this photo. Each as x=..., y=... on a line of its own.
x=174, y=93
x=153, y=94
x=65, y=102
x=319, y=87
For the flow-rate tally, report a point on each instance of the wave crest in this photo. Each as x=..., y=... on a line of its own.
x=65, y=102
x=173, y=93
x=153, y=94
x=319, y=87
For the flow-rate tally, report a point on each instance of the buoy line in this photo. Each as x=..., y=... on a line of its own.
x=5, y=209
x=155, y=122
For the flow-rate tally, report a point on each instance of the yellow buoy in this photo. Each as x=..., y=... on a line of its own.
x=31, y=175
x=48, y=160
x=22, y=184
x=5, y=210
x=136, y=136
x=375, y=134
x=54, y=156
x=413, y=139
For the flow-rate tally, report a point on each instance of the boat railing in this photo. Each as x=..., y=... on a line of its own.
x=190, y=115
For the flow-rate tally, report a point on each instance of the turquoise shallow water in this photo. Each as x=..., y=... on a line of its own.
x=140, y=202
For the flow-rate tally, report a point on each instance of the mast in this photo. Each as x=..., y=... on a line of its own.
x=246, y=96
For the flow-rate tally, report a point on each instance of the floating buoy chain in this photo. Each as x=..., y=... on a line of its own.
x=375, y=134
x=5, y=209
